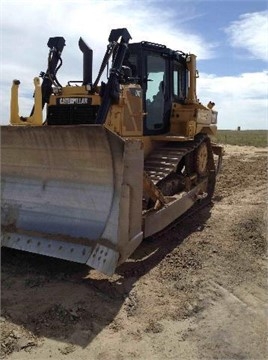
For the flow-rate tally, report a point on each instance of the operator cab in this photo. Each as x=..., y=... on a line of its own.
x=162, y=74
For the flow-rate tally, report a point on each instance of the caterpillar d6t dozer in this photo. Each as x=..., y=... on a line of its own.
x=112, y=162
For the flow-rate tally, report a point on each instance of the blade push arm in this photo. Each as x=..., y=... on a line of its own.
x=111, y=91
x=56, y=45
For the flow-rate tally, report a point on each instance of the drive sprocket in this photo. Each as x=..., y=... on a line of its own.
x=201, y=159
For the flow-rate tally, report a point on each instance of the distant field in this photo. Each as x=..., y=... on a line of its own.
x=256, y=138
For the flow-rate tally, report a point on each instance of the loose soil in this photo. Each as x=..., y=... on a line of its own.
x=197, y=292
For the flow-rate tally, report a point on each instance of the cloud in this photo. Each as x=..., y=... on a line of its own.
x=27, y=25
x=250, y=33
x=241, y=100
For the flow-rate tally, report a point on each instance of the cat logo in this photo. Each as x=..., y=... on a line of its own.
x=74, y=101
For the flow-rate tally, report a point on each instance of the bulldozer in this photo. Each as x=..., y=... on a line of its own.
x=100, y=165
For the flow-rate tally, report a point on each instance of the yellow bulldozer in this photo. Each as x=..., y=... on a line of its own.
x=114, y=161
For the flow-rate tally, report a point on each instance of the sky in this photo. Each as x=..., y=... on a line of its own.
x=229, y=38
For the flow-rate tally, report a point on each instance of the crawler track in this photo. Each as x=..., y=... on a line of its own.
x=165, y=160
x=159, y=166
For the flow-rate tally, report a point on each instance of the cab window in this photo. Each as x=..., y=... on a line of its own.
x=179, y=82
x=155, y=91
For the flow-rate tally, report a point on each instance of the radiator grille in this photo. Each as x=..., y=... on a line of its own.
x=71, y=114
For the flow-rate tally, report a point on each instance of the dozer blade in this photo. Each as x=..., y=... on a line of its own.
x=71, y=192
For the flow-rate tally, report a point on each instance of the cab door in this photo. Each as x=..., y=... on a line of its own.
x=157, y=94
x=150, y=66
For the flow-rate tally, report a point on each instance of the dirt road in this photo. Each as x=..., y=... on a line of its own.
x=199, y=292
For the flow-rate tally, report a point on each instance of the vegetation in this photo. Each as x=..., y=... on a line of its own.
x=258, y=138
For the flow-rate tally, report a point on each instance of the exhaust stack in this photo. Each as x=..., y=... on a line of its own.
x=87, y=61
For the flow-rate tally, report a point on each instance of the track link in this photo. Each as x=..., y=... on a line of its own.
x=165, y=160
